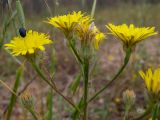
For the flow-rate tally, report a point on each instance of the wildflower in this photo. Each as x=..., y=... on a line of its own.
x=152, y=80
x=130, y=35
x=129, y=97
x=67, y=23
x=99, y=36
x=88, y=33
x=28, y=44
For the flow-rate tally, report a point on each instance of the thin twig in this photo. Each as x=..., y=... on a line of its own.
x=49, y=9
x=3, y=83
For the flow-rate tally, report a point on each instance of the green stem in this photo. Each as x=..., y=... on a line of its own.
x=40, y=73
x=75, y=52
x=126, y=60
x=86, y=78
x=126, y=116
x=71, y=44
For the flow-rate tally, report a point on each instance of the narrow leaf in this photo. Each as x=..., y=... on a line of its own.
x=20, y=13
x=15, y=88
x=49, y=105
x=73, y=87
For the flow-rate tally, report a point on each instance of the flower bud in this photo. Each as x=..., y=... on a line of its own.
x=27, y=100
x=129, y=97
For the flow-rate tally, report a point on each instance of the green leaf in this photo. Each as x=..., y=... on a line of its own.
x=93, y=8
x=6, y=24
x=73, y=87
x=15, y=88
x=50, y=105
x=75, y=112
x=20, y=13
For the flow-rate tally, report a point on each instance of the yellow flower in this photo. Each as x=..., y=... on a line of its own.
x=68, y=22
x=99, y=36
x=152, y=80
x=130, y=35
x=29, y=44
x=89, y=34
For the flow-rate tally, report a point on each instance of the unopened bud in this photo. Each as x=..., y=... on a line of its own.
x=129, y=97
x=27, y=100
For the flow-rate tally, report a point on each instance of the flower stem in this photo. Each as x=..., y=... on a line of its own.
x=86, y=78
x=75, y=52
x=126, y=60
x=40, y=73
x=126, y=116
x=71, y=44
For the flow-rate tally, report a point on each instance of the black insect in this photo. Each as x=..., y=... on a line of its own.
x=22, y=32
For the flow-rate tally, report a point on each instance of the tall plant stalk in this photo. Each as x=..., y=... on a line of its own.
x=41, y=74
x=86, y=78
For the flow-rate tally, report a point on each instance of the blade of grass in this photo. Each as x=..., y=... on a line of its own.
x=74, y=85
x=93, y=8
x=20, y=13
x=49, y=105
x=75, y=113
x=60, y=105
x=48, y=8
x=6, y=24
x=14, y=97
x=11, y=12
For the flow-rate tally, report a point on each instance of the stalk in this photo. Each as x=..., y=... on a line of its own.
x=126, y=116
x=126, y=60
x=41, y=74
x=74, y=51
x=86, y=78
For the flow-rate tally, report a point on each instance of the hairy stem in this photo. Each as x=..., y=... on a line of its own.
x=86, y=78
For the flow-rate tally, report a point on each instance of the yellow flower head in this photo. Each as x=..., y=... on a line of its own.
x=99, y=36
x=152, y=80
x=29, y=44
x=88, y=33
x=130, y=35
x=68, y=22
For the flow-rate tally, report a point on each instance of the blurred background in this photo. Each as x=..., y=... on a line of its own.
x=60, y=61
